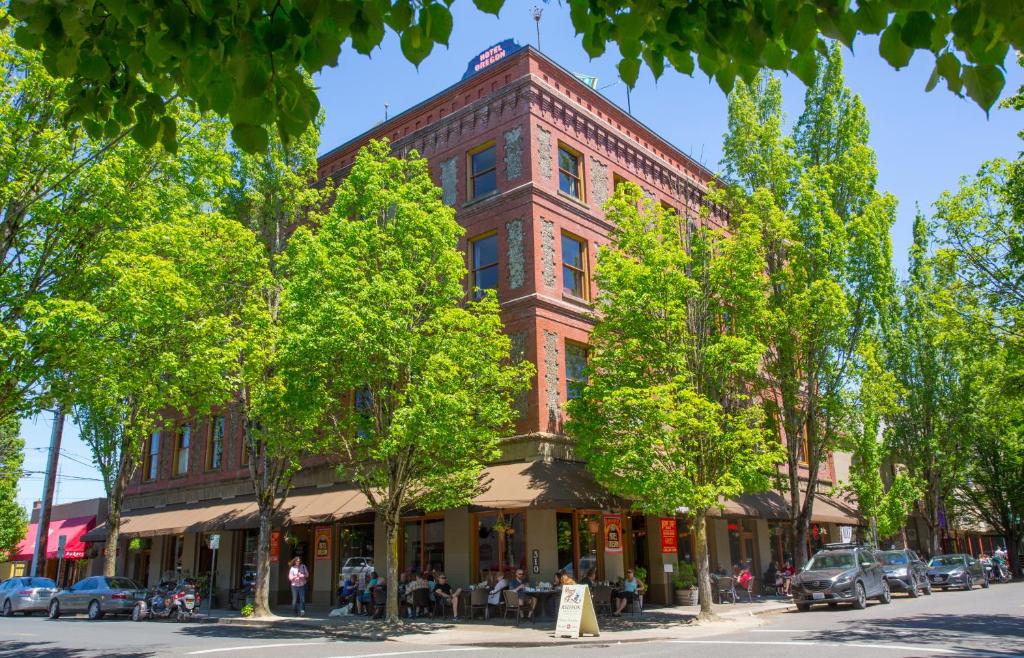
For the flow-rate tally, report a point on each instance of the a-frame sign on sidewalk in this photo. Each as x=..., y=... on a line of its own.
x=576, y=614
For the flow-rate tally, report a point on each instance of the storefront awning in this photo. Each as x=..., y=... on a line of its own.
x=73, y=531
x=828, y=509
x=317, y=506
x=544, y=485
x=768, y=505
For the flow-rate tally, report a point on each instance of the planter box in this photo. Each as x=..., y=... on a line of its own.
x=686, y=596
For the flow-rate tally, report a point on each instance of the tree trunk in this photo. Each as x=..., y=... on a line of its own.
x=113, y=538
x=700, y=538
x=261, y=596
x=392, y=522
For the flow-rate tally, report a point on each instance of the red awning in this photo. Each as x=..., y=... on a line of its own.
x=72, y=529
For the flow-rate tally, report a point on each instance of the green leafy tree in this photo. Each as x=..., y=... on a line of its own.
x=825, y=236
x=12, y=516
x=413, y=385
x=273, y=191
x=666, y=419
x=246, y=60
x=150, y=331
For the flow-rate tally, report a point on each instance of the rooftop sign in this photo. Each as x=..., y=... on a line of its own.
x=492, y=55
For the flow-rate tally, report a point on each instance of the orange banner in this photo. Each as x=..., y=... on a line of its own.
x=669, y=541
x=612, y=533
x=322, y=543
x=275, y=545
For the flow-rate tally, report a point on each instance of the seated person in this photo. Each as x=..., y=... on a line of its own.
x=494, y=598
x=590, y=578
x=518, y=585
x=347, y=593
x=416, y=582
x=563, y=577
x=443, y=592
x=631, y=588
x=364, y=602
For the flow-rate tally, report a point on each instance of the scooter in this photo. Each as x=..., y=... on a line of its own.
x=170, y=599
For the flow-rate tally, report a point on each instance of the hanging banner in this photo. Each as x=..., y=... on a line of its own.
x=275, y=545
x=612, y=533
x=322, y=543
x=576, y=614
x=669, y=540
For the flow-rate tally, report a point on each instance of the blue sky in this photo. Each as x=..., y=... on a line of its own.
x=925, y=141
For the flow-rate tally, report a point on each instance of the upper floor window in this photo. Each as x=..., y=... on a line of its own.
x=181, y=448
x=215, y=449
x=362, y=402
x=570, y=175
x=484, y=257
x=575, y=365
x=617, y=181
x=574, y=266
x=483, y=177
x=151, y=469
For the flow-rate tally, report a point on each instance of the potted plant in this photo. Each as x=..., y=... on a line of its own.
x=685, y=584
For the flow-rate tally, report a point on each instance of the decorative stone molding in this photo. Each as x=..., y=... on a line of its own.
x=449, y=181
x=514, y=253
x=598, y=181
x=513, y=153
x=551, y=379
x=518, y=354
x=547, y=252
x=544, y=152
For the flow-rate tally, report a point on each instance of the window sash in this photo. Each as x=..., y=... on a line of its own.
x=483, y=167
x=569, y=172
x=575, y=363
x=215, y=453
x=181, y=451
x=574, y=257
x=152, y=468
x=484, y=274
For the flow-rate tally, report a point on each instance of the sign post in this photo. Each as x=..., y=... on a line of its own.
x=576, y=615
x=62, y=545
x=214, y=545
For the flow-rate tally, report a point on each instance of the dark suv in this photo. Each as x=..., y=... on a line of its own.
x=841, y=574
x=905, y=572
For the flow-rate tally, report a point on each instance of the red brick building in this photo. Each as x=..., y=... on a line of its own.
x=527, y=154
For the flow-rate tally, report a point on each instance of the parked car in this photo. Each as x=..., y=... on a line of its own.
x=905, y=572
x=97, y=596
x=851, y=574
x=361, y=567
x=956, y=570
x=25, y=595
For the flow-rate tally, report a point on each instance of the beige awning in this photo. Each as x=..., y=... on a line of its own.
x=544, y=485
x=311, y=506
x=834, y=509
x=768, y=505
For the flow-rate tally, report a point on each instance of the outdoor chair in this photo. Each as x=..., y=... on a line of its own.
x=725, y=587
x=512, y=605
x=478, y=601
x=379, y=599
x=446, y=603
x=636, y=606
x=749, y=590
x=420, y=601
x=602, y=595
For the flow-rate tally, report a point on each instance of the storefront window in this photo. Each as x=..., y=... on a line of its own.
x=638, y=528
x=684, y=543
x=566, y=544
x=423, y=545
x=173, y=549
x=356, y=540
x=741, y=541
x=501, y=542
x=412, y=546
x=250, y=542
x=588, y=531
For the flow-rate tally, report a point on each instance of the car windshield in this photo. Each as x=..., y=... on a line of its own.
x=830, y=561
x=43, y=582
x=946, y=561
x=894, y=557
x=121, y=583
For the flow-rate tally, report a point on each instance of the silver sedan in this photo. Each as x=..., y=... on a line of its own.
x=26, y=595
x=97, y=596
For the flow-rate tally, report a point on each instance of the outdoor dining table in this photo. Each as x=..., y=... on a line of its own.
x=547, y=600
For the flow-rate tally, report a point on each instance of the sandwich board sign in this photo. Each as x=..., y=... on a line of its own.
x=576, y=615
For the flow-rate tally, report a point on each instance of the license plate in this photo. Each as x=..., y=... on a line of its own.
x=189, y=602
x=817, y=596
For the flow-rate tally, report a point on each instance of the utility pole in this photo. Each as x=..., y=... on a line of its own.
x=537, y=11
x=43, y=522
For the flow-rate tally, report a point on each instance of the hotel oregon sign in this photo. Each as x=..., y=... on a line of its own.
x=492, y=55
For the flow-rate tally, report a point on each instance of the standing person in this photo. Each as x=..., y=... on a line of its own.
x=298, y=576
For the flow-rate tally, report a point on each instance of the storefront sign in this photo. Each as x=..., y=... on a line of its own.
x=669, y=541
x=576, y=615
x=62, y=543
x=214, y=542
x=612, y=533
x=846, y=533
x=492, y=55
x=535, y=560
x=275, y=545
x=322, y=543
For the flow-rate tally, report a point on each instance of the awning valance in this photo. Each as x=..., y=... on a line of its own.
x=541, y=484
x=73, y=531
x=774, y=506
x=316, y=506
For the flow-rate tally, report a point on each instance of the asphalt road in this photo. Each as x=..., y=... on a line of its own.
x=978, y=623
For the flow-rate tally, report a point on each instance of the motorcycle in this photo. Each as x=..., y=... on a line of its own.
x=996, y=572
x=170, y=599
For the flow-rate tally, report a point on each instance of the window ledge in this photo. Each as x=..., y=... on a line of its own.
x=579, y=301
x=481, y=199
x=568, y=197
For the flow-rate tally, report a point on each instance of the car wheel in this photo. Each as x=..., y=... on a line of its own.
x=54, y=611
x=860, y=599
x=95, y=612
x=137, y=613
x=8, y=611
x=803, y=607
x=885, y=598
x=913, y=591
x=969, y=584
x=928, y=589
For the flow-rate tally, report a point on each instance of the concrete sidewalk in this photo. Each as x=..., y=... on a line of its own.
x=655, y=623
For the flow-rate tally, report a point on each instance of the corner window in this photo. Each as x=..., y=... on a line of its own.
x=570, y=175
x=181, y=449
x=151, y=469
x=574, y=266
x=484, y=258
x=575, y=364
x=215, y=450
x=617, y=181
x=483, y=178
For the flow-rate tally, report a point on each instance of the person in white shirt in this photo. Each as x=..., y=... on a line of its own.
x=298, y=575
x=494, y=598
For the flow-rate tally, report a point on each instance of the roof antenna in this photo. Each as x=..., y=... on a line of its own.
x=385, y=111
x=537, y=11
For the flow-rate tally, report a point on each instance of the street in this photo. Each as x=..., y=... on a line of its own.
x=977, y=623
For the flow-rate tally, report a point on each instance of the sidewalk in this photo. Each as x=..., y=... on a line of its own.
x=656, y=623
